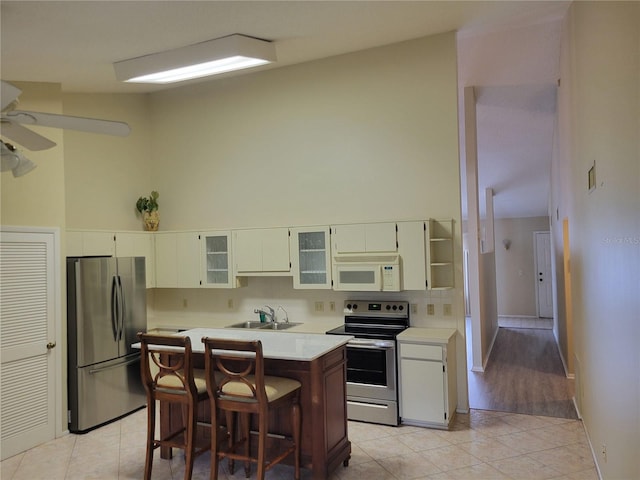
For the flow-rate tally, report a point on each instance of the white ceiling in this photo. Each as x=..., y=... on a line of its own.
x=509, y=48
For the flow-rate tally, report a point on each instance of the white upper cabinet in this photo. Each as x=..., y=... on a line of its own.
x=90, y=243
x=139, y=244
x=216, y=261
x=365, y=238
x=411, y=247
x=261, y=251
x=311, y=258
x=177, y=260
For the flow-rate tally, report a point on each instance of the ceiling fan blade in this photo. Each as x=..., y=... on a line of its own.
x=27, y=138
x=8, y=93
x=92, y=125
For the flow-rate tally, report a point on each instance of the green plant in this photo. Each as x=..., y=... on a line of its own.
x=148, y=204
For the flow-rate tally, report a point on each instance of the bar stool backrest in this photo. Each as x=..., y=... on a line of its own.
x=239, y=372
x=166, y=366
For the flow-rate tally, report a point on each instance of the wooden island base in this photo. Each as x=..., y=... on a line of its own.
x=325, y=444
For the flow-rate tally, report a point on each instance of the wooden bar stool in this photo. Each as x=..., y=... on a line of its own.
x=237, y=384
x=168, y=376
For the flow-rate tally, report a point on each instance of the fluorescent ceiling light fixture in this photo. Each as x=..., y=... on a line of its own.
x=213, y=57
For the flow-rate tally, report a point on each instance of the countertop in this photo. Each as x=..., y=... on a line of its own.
x=427, y=335
x=275, y=345
x=168, y=325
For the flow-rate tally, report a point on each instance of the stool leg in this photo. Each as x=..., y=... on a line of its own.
x=263, y=428
x=296, y=423
x=245, y=423
x=231, y=430
x=213, y=475
x=151, y=430
x=190, y=431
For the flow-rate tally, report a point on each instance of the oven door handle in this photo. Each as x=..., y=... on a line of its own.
x=364, y=343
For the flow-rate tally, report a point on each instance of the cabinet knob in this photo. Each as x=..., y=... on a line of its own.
x=51, y=345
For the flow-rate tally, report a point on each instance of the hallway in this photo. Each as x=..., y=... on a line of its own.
x=524, y=373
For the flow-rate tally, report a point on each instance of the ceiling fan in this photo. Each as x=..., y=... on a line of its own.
x=12, y=121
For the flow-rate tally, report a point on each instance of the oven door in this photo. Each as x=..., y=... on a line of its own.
x=371, y=369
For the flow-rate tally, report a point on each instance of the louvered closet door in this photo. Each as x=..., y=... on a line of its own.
x=27, y=316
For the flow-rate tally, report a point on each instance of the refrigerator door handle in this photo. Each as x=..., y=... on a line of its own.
x=114, y=308
x=122, y=309
x=116, y=365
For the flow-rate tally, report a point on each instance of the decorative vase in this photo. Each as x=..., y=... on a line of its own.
x=151, y=220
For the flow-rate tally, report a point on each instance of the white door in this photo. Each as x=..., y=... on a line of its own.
x=28, y=270
x=543, y=274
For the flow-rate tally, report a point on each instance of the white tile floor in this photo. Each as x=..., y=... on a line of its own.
x=480, y=445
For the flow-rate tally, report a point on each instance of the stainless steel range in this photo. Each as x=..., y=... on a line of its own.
x=372, y=373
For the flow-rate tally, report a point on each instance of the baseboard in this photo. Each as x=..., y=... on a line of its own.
x=575, y=404
x=570, y=376
x=485, y=360
x=593, y=451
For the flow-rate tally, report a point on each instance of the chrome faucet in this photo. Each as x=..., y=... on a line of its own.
x=271, y=314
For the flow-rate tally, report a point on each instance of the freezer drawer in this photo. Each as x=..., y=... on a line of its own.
x=103, y=392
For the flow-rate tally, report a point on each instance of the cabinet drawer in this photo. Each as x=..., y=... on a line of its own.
x=425, y=352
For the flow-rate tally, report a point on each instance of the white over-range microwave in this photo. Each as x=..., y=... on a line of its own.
x=366, y=272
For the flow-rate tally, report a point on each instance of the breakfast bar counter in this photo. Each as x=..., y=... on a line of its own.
x=318, y=362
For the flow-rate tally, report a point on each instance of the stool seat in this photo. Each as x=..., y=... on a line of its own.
x=237, y=386
x=275, y=387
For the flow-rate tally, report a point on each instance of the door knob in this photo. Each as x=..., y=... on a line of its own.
x=51, y=345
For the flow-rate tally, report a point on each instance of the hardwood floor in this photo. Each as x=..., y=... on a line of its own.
x=524, y=374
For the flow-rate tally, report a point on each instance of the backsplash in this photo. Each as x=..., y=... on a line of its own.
x=192, y=307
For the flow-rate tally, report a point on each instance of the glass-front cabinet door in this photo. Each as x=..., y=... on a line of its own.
x=311, y=257
x=216, y=260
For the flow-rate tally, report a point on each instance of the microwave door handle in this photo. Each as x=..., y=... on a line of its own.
x=380, y=278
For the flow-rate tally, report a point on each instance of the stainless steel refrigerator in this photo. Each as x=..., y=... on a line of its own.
x=106, y=307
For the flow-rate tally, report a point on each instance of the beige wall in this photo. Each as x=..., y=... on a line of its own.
x=104, y=174
x=37, y=198
x=599, y=99
x=515, y=268
x=360, y=137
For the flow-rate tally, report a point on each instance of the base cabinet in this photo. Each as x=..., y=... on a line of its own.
x=427, y=379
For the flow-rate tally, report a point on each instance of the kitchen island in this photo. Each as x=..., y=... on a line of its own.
x=318, y=362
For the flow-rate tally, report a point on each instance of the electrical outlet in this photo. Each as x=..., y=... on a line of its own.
x=319, y=306
x=332, y=306
x=431, y=309
x=230, y=303
x=446, y=309
x=184, y=303
x=414, y=308
x=604, y=452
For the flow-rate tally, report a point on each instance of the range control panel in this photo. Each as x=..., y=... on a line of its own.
x=371, y=308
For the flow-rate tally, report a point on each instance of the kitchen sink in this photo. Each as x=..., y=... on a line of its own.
x=279, y=326
x=256, y=324
x=263, y=326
